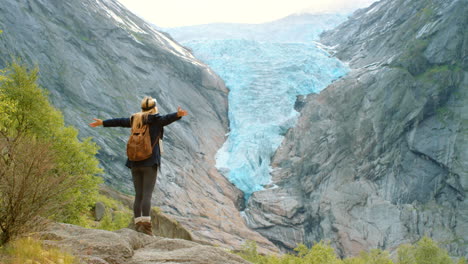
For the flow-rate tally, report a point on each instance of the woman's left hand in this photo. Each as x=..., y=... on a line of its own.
x=181, y=112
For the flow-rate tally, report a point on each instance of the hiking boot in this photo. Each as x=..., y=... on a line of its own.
x=139, y=227
x=146, y=228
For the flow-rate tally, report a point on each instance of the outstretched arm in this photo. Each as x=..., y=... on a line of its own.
x=116, y=122
x=169, y=118
x=97, y=122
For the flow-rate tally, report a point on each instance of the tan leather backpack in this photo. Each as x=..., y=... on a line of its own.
x=139, y=144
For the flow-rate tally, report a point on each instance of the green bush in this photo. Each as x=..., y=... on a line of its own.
x=320, y=253
x=249, y=252
x=115, y=221
x=110, y=202
x=425, y=251
x=374, y=256
x=45, y=170
x=116, y=216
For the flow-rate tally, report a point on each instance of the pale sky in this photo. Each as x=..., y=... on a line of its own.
x=174, y=13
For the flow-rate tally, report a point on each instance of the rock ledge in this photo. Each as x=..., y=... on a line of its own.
x=128, y=246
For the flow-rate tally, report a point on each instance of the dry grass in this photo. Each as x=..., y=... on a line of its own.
x=30, y=251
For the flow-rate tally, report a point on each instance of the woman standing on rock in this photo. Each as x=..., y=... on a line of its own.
x=144, y=172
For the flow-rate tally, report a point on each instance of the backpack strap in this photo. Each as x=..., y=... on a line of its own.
x=147, y=125
x=155, y=142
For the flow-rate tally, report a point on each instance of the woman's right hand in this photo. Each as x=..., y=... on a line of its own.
x=181, y=112
x=97, y=122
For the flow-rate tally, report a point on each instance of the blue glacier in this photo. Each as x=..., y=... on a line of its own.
x=264, y=78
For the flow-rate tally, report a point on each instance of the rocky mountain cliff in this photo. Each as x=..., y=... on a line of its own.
x=98, y=60
x=380, y=157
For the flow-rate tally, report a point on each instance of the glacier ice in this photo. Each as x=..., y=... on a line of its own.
x=264, y=79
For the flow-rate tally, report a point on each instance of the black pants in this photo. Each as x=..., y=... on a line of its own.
x=144, y=179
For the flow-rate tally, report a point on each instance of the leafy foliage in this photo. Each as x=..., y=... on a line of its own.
x=117, y=216
x=115, y=221
x=425, y=251
x=374, y=256
x=320, y=253
x=45, y=170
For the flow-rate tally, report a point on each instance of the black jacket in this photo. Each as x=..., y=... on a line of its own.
x=157, y=123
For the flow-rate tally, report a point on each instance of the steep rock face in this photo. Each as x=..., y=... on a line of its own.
x=98, y=60
x=380, y=157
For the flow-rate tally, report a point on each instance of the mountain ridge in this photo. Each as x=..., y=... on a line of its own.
x=293, y=28
x=378, y=158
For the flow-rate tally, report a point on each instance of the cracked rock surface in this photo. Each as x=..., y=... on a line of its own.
x=130, y=247
x=380, y=157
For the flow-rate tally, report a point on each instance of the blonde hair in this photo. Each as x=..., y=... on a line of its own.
x=148, y=106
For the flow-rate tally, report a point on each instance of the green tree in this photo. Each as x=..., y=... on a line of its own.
x=249, y=252
x=426, y=251
x=406, y=254
x=45, y=170
x=321, y=253
x=376, y=256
